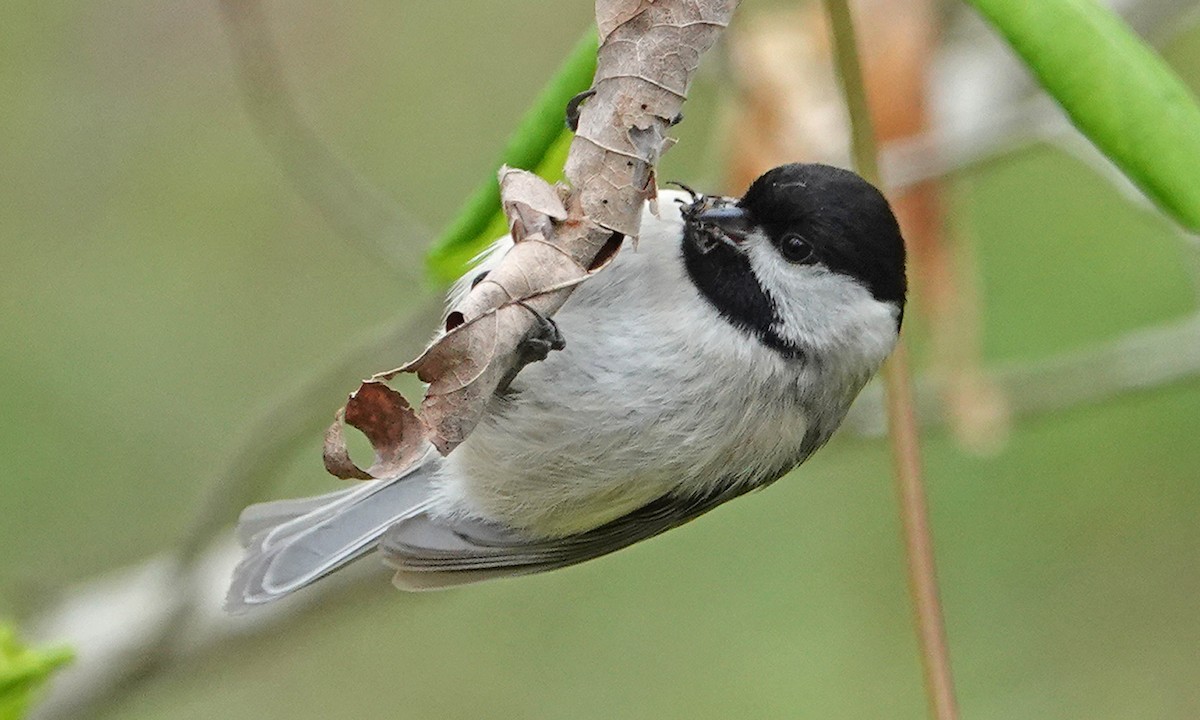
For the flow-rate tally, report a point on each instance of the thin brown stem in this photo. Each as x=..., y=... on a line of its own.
x=902, y=420
x=918, y=537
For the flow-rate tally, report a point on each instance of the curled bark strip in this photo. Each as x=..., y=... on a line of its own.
x=644, y=68
x=529, y=202
x=649, y=51
x=469, y=363
x=611, y=15
x=388, y=421
x=335, y=453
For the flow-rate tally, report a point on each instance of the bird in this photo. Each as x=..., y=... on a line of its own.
x=709, y=359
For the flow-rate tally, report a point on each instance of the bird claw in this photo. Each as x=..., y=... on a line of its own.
x=573, y=108
x=543, y=337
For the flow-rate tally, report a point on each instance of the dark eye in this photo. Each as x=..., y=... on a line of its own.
x=795, y=249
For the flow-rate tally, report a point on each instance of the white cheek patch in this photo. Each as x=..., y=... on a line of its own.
x=823, y=310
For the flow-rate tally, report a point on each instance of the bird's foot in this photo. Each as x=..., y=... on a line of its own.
x=544, y=337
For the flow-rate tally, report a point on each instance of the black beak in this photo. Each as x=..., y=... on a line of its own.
x=729, y=223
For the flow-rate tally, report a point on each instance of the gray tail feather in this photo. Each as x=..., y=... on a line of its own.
x=291, y=544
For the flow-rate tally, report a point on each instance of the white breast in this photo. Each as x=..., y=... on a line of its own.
x=655, y=393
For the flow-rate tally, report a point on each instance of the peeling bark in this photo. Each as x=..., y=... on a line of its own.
x=648, y=54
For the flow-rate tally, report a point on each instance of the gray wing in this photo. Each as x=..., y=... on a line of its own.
x=429, y=553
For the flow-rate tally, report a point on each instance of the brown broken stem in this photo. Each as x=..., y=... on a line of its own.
x=902, y=421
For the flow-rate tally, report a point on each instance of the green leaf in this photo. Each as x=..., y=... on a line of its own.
x=22, y=671
x=1116, y=90
x=540, y=143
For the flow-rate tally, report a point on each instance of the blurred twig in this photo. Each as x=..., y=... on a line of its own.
x=126, y=629
x=355, y=209
x=112, y=621
x=1140, y=360
x=901, y=412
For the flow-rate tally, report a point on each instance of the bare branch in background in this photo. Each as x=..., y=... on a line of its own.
x=116, y=622
x=900, y=407
x=355, y=209
x=128, y=627
x=1141, y=360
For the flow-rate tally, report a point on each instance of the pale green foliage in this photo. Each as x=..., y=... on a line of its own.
x=22, y=671
x=1117, y=91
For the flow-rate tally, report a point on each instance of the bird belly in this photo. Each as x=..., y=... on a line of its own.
x=655, y=394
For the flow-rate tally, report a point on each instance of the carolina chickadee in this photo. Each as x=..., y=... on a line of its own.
x=707, y=361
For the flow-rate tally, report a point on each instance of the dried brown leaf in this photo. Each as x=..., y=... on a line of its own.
x=385, y=417
x=335, y=453
x=466, y=366
x=531, y=204
x=649, y=51
x=611, y=15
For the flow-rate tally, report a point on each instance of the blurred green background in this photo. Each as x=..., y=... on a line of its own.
x=161, y=283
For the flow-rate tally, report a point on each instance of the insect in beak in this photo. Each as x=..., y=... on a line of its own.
x=725, y=223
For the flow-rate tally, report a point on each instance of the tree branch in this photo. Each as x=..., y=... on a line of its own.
x=1140, y=360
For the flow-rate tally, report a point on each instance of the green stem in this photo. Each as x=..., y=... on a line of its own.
x=902, y=422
